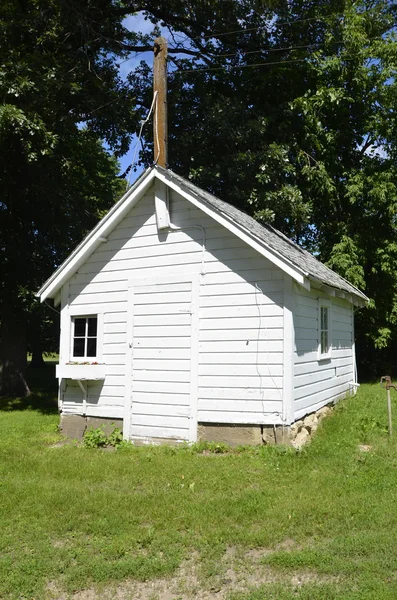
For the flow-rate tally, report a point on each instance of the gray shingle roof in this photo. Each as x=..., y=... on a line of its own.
x=269, y=236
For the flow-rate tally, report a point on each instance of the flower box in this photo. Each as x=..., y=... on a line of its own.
x=81, y=372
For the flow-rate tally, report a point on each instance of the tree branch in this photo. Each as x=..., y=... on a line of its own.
x=365, y=147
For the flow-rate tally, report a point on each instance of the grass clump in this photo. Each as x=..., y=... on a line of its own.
x=97, y=438
x=318, y=524
x=210, y=447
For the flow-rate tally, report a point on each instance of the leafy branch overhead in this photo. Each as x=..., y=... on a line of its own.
x=283, y=109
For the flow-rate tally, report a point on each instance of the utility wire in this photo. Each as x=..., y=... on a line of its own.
x=143, y=123
x=242, y=53
x=261, y=64
x=285, y=48
x=259, y=27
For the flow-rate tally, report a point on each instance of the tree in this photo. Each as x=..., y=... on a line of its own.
x=57, y=72
x=294, y=121
x=61, y=98
x=274, y=105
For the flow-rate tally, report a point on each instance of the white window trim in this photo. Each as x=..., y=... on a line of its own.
x=323, y=303
x=86, y=311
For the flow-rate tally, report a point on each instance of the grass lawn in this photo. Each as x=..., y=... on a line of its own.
x=265, y=523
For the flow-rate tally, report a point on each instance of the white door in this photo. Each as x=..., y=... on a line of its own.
x=164, y=385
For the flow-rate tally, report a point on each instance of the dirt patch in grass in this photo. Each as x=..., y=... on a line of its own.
x=365, y=448
x=239, y=571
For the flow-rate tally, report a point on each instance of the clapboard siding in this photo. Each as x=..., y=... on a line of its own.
x=317, y=382
x=240, y=346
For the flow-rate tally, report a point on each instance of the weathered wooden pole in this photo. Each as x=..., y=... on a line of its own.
x=160, y=132
x=385, y=382
x=389, y=412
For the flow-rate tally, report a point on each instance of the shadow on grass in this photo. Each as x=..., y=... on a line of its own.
x=43, y=386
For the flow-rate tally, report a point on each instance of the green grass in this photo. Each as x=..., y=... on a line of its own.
x=321, y=523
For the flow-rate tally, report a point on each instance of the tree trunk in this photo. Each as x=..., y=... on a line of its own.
x=37, y=355
x=13, y=349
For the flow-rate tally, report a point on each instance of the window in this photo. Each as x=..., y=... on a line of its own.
x=324, y=330
x=85, y=332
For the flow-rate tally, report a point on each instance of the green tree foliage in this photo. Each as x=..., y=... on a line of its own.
x=294, y=120
x=285, y=108
x=57, y=71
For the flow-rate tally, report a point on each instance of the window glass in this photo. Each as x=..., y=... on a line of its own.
x=324, y=331
x=79, y=327
x=78, y=346
x=92, y=326
x=91, y=347
x=85, y=331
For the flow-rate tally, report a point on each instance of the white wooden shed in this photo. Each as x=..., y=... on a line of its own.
x=184, y=318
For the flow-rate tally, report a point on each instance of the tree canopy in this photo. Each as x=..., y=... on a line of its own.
x=292, y=117
x=284, y=108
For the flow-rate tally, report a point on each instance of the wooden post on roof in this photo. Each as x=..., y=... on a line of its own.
x=160, y=133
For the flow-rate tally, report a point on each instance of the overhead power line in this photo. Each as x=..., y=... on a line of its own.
x=259, y=27
x=285, y=48
x=260, y=64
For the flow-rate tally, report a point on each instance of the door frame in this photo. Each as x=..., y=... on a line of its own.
x=194, y=279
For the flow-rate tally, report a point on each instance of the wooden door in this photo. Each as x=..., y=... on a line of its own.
x=164, y=361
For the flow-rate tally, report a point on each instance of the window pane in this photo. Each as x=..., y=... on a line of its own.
x=324, y=342
x=78, y=346
x=79, y=328
x=325, y=318
x=92, y=326
x=91, y=347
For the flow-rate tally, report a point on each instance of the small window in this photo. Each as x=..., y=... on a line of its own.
x=85, y=331
x=324, y=330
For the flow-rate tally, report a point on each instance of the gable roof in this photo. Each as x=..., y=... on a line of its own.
x=270, y=242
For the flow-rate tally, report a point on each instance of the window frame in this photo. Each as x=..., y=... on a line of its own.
x=86, y=312
x=86, y=337
x=324, y=304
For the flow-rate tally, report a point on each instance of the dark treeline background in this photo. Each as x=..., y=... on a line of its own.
x=286, y=109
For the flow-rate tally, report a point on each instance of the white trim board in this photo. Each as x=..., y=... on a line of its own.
x=96, y=237
x=273, y=256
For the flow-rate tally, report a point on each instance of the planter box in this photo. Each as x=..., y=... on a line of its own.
x=81, y=372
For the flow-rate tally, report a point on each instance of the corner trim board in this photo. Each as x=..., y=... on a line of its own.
x=289, y=352
x=128, y=366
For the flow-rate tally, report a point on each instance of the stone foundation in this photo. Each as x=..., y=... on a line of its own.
x=74, y=426
x=302, y=430
x=242, y=435
x=296, y=435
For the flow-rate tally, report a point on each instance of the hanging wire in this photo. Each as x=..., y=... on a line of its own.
x=143, y=123
x=285, y=48
x=261, y=64
x=156, y=129
x=259, y=28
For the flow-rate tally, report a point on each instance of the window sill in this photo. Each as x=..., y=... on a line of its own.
x=81, y=372
x=324, y=359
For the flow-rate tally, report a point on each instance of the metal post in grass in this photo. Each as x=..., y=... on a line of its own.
x=386, y=383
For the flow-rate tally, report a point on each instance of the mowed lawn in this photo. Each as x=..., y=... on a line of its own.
x=250, y=525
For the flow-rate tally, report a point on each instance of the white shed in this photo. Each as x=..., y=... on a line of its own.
x=182, y=318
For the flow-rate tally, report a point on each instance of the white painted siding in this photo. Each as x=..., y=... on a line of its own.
x=240, y=345
x=317, y=382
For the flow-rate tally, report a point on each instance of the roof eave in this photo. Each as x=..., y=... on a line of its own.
x=259, y=245
x=352, y=294
x=89, y=244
